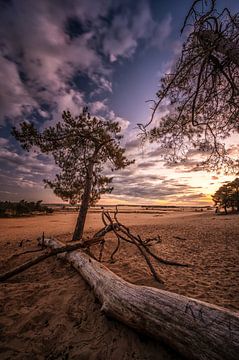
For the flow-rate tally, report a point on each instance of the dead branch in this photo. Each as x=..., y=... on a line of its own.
x=144, y=243
x=194, y=328
x=97, y=238
x=179, y=238
x=131, y=238
x=121, y=232
x=24, y=253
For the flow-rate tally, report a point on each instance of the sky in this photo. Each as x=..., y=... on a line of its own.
x=108, y=55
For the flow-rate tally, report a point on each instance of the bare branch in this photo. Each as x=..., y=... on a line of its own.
x=202, y=92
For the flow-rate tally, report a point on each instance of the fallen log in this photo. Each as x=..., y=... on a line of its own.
x=194, y=328
x=121, y=232
x=86, y=244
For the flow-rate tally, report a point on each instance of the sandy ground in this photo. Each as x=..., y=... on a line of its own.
x=49, y=312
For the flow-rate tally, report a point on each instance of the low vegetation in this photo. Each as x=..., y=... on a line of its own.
x=227, y=197
x=9, y=209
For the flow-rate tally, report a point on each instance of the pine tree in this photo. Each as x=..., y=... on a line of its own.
x=81, y=147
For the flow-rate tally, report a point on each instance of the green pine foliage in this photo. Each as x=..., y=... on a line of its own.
x=85, y=149
x=75, y=142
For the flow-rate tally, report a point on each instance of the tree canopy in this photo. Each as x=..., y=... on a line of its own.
x=81, y=147
x=227, y=196
x=201, y=95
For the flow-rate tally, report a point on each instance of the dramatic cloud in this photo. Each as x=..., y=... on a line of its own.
x=3, y=141
x=58, y=55
x=161, y=32
x=124, y=123
x=38, y=58
x=26, y=163
x=98, y=107
x=154, y=187
x=147, y=164
x=128, y=28
x=44, y=45
x=133, y=144
x=233, y=150
x=194, y=197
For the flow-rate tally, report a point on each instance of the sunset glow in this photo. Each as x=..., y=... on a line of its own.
x=110, y=57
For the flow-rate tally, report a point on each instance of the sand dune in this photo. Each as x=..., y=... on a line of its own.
x=49, y=312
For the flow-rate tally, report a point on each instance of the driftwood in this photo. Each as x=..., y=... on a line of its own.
x=96, y=239
x=24, y=253
x=196, y=329
x=121, y=232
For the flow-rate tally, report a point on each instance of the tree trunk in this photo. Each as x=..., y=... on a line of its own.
x=196, y=329
x=237, y=199
x=80, y=223
x=222, y=45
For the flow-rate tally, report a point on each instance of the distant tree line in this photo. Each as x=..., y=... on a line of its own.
x=8, y=208
x=227, y=196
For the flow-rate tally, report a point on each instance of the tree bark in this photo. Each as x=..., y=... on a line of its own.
x=237, y=199
x=196, y=329
x=80, y=223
